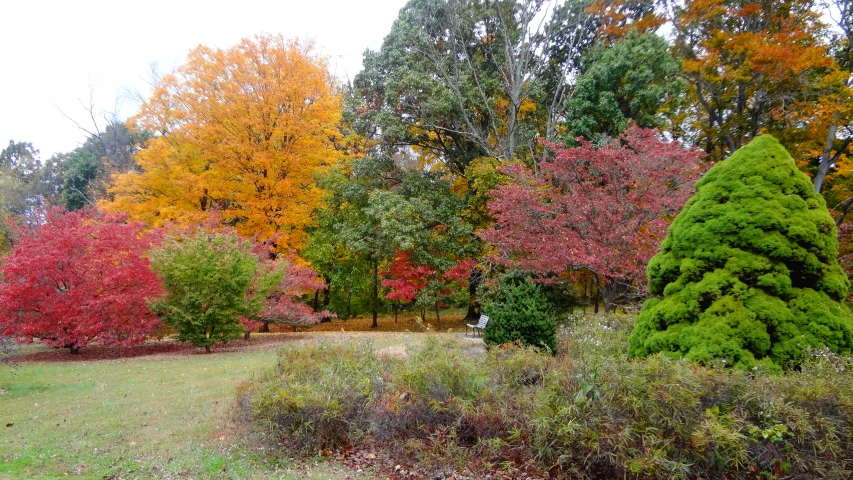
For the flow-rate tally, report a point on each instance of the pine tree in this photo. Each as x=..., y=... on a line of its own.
x=749, y=271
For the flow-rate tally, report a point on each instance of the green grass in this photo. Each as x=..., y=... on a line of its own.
x=155, y=417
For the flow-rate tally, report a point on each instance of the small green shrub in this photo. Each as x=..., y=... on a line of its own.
x=211, y=280
x=519, y=312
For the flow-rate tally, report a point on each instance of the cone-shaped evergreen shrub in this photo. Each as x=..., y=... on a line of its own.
x=520, y=311
x=749, y=271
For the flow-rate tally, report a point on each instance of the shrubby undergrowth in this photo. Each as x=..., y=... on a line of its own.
x=588, y=412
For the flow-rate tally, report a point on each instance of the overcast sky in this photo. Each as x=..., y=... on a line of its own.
x=52, y=51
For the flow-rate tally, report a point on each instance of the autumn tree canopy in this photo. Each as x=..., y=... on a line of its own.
x=603, y=209
x=243, y=130
x=756, y=67
x=78, y=278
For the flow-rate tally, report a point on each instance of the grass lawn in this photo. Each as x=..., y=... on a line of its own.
x=145, y=417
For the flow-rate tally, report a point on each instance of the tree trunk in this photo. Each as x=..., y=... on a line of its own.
x=610, y=291
x=207, y=349
x=247, y=334
x=597, y=292
x=825, y=159
x=265, y=328
x=375, y=306
x=75, y=350
x=316, y=304
x=473, y=303
x=349, y=302
x=437, y=317
x=396, y=307
x=327, y=297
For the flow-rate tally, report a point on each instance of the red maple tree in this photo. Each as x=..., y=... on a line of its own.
x=405, y=280
x=409, y=281
x=76, y=279
x=604, y=208
x=284, y=305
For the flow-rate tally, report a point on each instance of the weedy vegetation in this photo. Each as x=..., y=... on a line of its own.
x=588, y=412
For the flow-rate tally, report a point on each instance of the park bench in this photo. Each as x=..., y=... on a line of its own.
x=481, y=325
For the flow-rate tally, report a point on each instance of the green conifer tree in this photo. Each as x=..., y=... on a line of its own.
x=749, y=271
x=520, y=312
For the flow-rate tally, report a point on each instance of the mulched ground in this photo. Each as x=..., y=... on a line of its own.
x=152, y=348
x=280, y=334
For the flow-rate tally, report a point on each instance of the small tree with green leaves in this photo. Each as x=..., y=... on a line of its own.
x=519, y=311
x=749, y=272
x=211, y=281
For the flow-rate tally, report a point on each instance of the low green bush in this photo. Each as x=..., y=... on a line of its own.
x=589, y=412
x=315, y=398
x=519, y=312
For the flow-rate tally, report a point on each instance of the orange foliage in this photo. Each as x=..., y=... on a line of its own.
x=244, y=131
x=758, y=67
x=618, y=17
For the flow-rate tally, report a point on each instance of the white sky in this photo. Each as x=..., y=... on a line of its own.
x=52, y=51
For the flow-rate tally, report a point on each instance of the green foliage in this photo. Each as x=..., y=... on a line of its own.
x=440, y=372
x=520, y=312
x=82, y=169
x=749, y=271
x=211, y=280
x=482, y=176
x=27, y=184
x=631, y=80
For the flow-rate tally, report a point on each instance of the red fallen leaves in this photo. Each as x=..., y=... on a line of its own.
x=78, y=278
x=161, y=348
x=392, y=463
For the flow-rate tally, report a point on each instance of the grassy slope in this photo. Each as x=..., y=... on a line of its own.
x=163, y=417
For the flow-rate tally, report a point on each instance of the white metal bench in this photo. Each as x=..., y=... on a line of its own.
x=481, y=325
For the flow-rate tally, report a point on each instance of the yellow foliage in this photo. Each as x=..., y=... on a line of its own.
x=244, y=131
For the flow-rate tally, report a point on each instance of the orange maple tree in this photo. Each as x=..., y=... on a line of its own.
x=756, y=66
x=245, y=131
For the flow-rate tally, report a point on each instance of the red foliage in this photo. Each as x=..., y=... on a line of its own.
x=284, y=305
x=405, y=280
x=79, y=278
x=461, y=271
x=250, y=324
x=605, y=209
